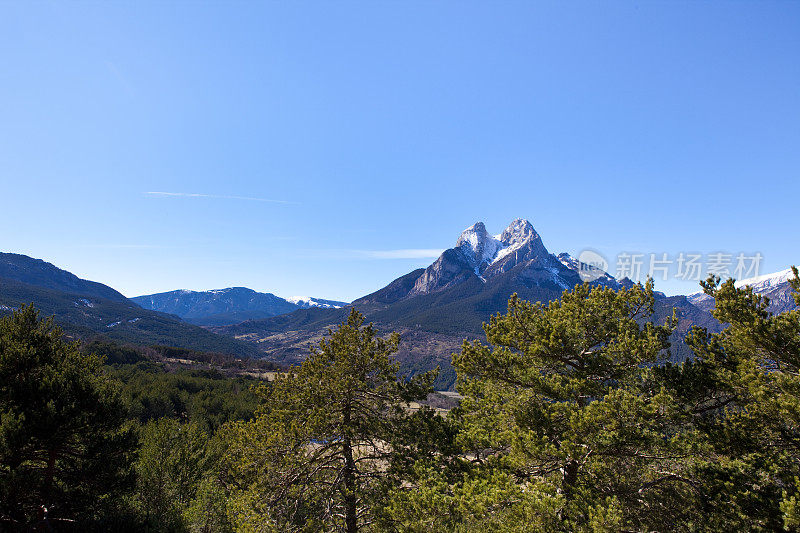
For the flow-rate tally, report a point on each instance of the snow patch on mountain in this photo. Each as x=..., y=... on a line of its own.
x=484, y=250
x=507, y=251
x=557, y=278
x=759, y=284
x=774, y=286
x=767, y=281
x=310, y=301
x=478, y=246
x=586, y=271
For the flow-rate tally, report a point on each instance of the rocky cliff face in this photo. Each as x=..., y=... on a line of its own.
x=452, y=268
x=436, y=308
x=478, y=254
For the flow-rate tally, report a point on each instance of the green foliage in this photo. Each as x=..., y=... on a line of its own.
x=64, y=446
x=173, y=460
x=113, y=353
x=564, y=398
x=564, y=410
x=205, y=397
x=572, y=420
x=324, y=448
x=68, y=439
x=208, y=512
x=750, y=409
x=479, y=499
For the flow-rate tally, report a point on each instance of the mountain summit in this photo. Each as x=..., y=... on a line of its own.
x=436, y=308
x=479, y=254
x=485, y=251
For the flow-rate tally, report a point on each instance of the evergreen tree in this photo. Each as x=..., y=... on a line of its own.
x=326, y=443
x=171, y=465
x=743, y=396
x=564, y=422
x=64, y=448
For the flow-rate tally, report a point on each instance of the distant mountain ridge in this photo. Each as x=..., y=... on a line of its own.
x=306, y=302
x=437, y=307
x=774, y=286
x=433, y=308
x=479, y=256
x=86, y=309
x=43, y=274
x=232, y=305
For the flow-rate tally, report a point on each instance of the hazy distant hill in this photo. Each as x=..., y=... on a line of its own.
x=227, y=306
x=43, y=274
x=87, y=309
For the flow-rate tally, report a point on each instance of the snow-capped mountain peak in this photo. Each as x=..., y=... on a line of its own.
x=486, y=256
x=766, y=281
x=483, y=250
x=759, y=284
x=478, y=246
x=774, y=286
x=518, y=232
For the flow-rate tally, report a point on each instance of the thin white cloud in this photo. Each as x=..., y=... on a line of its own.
x=215, y=196
x=344, y=254
x=408, y=253
x=124, y=246
x=350, y=254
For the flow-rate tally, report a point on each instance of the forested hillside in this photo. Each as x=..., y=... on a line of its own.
x=85, y=309
x=571, y=418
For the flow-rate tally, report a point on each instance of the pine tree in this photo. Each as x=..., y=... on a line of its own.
x=64, y=449
x=171, y=465
x=745, y=401
x=564, y=402
x=329, y=439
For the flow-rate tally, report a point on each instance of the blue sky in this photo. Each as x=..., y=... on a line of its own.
x=327, y=148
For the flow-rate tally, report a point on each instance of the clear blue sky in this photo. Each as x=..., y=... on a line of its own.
x=376, y=128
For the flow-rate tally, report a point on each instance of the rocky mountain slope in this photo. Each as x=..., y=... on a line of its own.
x=436, y=308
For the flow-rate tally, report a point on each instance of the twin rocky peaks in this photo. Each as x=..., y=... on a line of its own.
x=484, y=251
x=477, y=253
x=434, y=308
x=481, y=257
